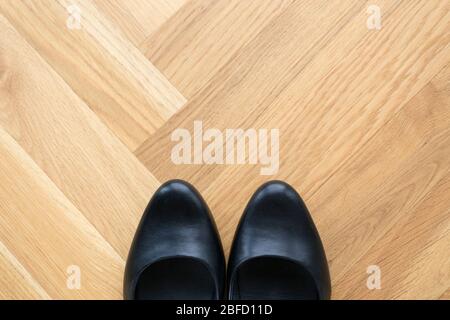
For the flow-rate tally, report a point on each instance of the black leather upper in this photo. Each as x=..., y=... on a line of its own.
x=176, y=223
x=276, y=223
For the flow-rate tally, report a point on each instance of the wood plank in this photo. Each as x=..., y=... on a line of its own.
x=138, y=19
x=47, y=234
x=204, y=35
x=317, y=92
x=102, y=67
x=96, y=172
x=388, y=205
x=412, y=256
x=15, y=281
x=377, y=198
x=252, y=80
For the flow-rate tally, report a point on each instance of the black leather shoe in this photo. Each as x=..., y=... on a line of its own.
x=176, y=252
x=277, y=252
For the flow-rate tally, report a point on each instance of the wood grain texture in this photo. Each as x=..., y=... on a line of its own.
x=76, y=151
x=86, y=118
x=253, y=80
x=397, y=196
x=138, y=19
x=186, y=47
x=101, y=66
x=296, y=92
x=48, y=234
x=15, y=280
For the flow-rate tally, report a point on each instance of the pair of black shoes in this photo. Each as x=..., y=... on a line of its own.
x=177, y=254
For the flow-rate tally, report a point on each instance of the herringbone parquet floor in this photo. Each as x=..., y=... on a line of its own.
x=89, y=100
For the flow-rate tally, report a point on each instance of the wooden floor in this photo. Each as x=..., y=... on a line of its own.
x=86, y=117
